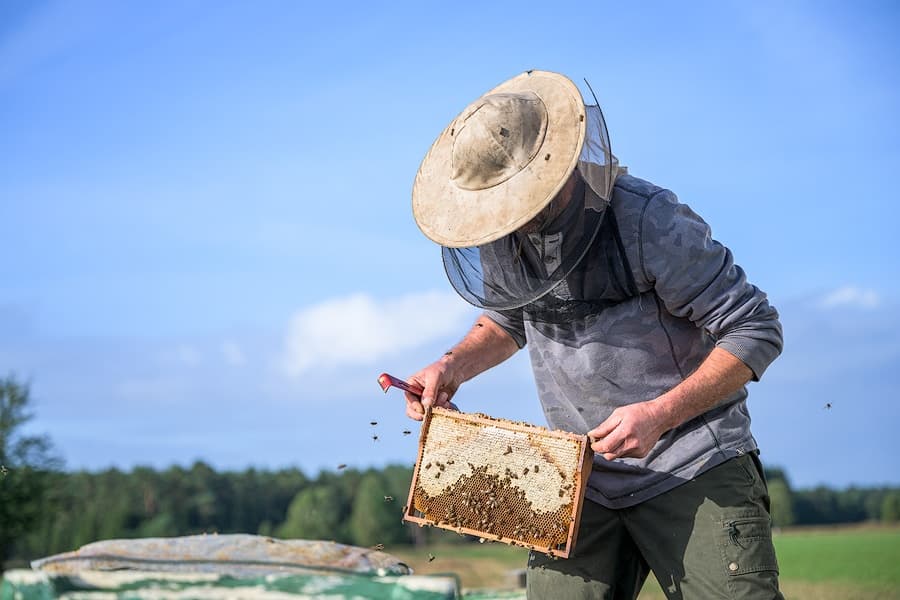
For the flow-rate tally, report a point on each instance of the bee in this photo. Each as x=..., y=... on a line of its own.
x=388, y=498
x=827, y=405
x=342, y=466
x=431, y=557
x=378, y=547
x=406, y=432
x=375, y=438
x=508, y=450
x=537, y=469
x=373, y=423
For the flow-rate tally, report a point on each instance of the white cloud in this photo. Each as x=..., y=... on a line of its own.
x=233, y=354
x=360, y=330
x=852, y=297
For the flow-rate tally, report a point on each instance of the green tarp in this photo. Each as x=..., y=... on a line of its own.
x=109, y=585
x=221, y=567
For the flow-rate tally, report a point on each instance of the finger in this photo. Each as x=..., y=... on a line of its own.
x=415, y=411
x=443, y=399
x=624, y=452
x=611, y=446
x=414, y=402
x=606, y=427
x=430, y=392
x=418, y=381
x=411, y=398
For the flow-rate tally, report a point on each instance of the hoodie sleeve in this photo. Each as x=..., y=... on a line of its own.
x=696, y=278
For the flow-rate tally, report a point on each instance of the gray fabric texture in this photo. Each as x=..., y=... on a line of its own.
x=636, y=345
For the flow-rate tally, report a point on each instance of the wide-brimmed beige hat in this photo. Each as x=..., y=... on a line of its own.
x=501, y=161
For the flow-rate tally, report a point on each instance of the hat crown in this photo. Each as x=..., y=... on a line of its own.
x=496, y=138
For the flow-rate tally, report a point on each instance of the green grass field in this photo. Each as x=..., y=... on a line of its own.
x=865, y=560
x=840, y=563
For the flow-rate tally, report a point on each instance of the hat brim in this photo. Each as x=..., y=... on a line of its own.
x=455, y=217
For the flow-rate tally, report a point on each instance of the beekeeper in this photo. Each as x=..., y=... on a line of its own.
x=642, y=333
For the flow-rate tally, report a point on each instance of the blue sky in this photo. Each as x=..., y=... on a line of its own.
x=207, y=245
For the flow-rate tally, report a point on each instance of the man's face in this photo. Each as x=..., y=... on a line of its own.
x=554, y=208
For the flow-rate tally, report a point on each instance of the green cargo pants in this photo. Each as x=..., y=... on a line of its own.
x=708, y=538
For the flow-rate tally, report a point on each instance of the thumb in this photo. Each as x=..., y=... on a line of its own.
x=429, y=392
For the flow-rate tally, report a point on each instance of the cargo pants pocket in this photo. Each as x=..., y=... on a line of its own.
x=748, y=554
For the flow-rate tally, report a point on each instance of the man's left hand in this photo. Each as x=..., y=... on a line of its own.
x=629, y=432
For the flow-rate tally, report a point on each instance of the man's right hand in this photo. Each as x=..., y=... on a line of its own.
x=439, y=382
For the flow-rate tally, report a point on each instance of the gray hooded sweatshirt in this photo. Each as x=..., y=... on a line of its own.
x=664, y=298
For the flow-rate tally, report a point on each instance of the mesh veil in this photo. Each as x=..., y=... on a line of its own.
x=520, y=269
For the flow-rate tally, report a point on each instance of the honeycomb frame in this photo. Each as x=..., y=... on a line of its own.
x=500, y=480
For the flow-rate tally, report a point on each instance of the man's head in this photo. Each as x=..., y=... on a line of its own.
x=528, y=157
x=499, y=164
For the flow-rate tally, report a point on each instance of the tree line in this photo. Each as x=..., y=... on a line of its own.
x=45, y=510
x=823, y=505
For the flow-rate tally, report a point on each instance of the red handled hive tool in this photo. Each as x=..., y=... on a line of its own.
x=386, y=381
